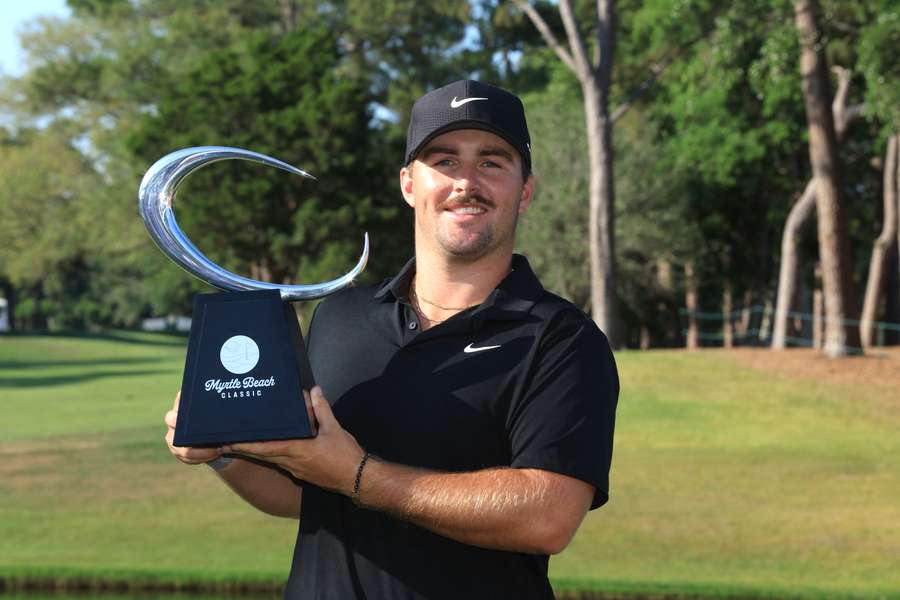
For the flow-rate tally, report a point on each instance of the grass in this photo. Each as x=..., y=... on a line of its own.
x=726, y=482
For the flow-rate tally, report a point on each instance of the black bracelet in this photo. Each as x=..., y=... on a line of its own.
x=359, y=471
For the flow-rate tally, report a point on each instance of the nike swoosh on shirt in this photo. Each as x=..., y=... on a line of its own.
x=457, y=103
x=469, y=349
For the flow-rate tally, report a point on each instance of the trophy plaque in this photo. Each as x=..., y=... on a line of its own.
x=246, y=363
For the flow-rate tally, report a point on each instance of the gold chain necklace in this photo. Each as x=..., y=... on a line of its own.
x=415, y=297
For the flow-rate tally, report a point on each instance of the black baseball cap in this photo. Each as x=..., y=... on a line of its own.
x=468, y=104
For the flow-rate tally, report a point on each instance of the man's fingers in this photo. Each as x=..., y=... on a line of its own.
x=311, y=415
x=321, y=408
x=191, y=456
x=196, y=456
x=171, y=418
x=259, y=449
x=172, y=415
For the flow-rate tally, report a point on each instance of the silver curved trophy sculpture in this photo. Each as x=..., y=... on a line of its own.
x=246, y=365
x=156, y=198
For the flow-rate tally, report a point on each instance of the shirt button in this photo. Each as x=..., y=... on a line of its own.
x=413, y=324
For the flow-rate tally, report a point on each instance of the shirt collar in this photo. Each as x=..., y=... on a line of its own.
x=512, y=298
x=398, y=287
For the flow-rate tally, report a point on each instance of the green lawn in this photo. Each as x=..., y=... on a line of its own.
x=725, y=481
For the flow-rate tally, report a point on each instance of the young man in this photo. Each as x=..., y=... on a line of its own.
x=465, y=415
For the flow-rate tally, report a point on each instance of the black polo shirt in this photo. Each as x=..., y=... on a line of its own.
x=525, y=380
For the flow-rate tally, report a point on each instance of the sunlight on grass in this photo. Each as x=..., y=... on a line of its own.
x=723, y=477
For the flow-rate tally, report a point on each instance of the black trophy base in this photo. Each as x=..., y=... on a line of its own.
x=245, y=371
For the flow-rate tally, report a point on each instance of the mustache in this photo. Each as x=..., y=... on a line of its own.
x=472, y=200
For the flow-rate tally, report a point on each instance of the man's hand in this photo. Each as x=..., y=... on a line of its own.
x=191, y=456
x=328, y=460
x=263, y=486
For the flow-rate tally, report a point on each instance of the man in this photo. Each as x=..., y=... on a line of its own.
x=469, y=416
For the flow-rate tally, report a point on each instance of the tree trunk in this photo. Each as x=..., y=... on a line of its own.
x=601, y=225
x=743, y=325
x=665, y=281
x=691, y=303
x=892, y=301
x=803, y=212
x=646, y=339
x=766, y=321
x=818, y=333
x=594, y=75
x=818, y=336
x=289, y=11
x=885, y=247
x=788, y=274
x=664, y=278
x=802, y=324
x=727, y=323
x=840, y=301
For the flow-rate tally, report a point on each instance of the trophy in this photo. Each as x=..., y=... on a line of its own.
x=246, y=363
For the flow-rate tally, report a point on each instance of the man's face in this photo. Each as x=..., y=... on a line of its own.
x=467, y=191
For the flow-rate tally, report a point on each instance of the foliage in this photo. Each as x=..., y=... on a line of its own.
x=731, y=116
x=43, y=220
x=553, y=231
x=135, y=80
x=878, y=46
x=709, y=158
x=653, y=213
x=283, y=97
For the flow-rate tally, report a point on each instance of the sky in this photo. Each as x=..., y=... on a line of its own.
x=14, y=14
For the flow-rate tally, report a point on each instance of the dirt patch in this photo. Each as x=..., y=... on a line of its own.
x=879, y=368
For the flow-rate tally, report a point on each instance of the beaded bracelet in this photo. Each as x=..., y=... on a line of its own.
x=359, y=472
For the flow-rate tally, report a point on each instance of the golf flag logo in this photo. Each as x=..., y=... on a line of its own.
x=239, y=354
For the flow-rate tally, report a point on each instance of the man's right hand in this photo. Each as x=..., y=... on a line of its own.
x=191, y=456
x=263, y=486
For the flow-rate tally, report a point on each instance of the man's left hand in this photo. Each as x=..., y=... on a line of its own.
x=328, y=460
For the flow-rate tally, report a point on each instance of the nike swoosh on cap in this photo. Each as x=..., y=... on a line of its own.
x=469, y=349
x=457, y=103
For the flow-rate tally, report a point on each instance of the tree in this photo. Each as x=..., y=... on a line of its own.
x=594, y=76
x=47, y=251
x=553, y=231
x=802, y=212
x=834, y=251
x=885, y=246
x=128, y=77
x=729, y=122
x=283, y=96
x=650, y=210
x=878, y=47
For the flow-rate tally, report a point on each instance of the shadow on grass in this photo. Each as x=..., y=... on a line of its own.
x=173, y=340
x=35, y=382
x=87, y=362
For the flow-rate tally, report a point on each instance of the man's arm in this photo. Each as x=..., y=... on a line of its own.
x=520, y=510
x=262, y=485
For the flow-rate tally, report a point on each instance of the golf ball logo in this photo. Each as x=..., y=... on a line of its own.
x=239, y=354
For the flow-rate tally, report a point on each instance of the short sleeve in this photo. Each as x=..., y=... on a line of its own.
x=563, y=418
